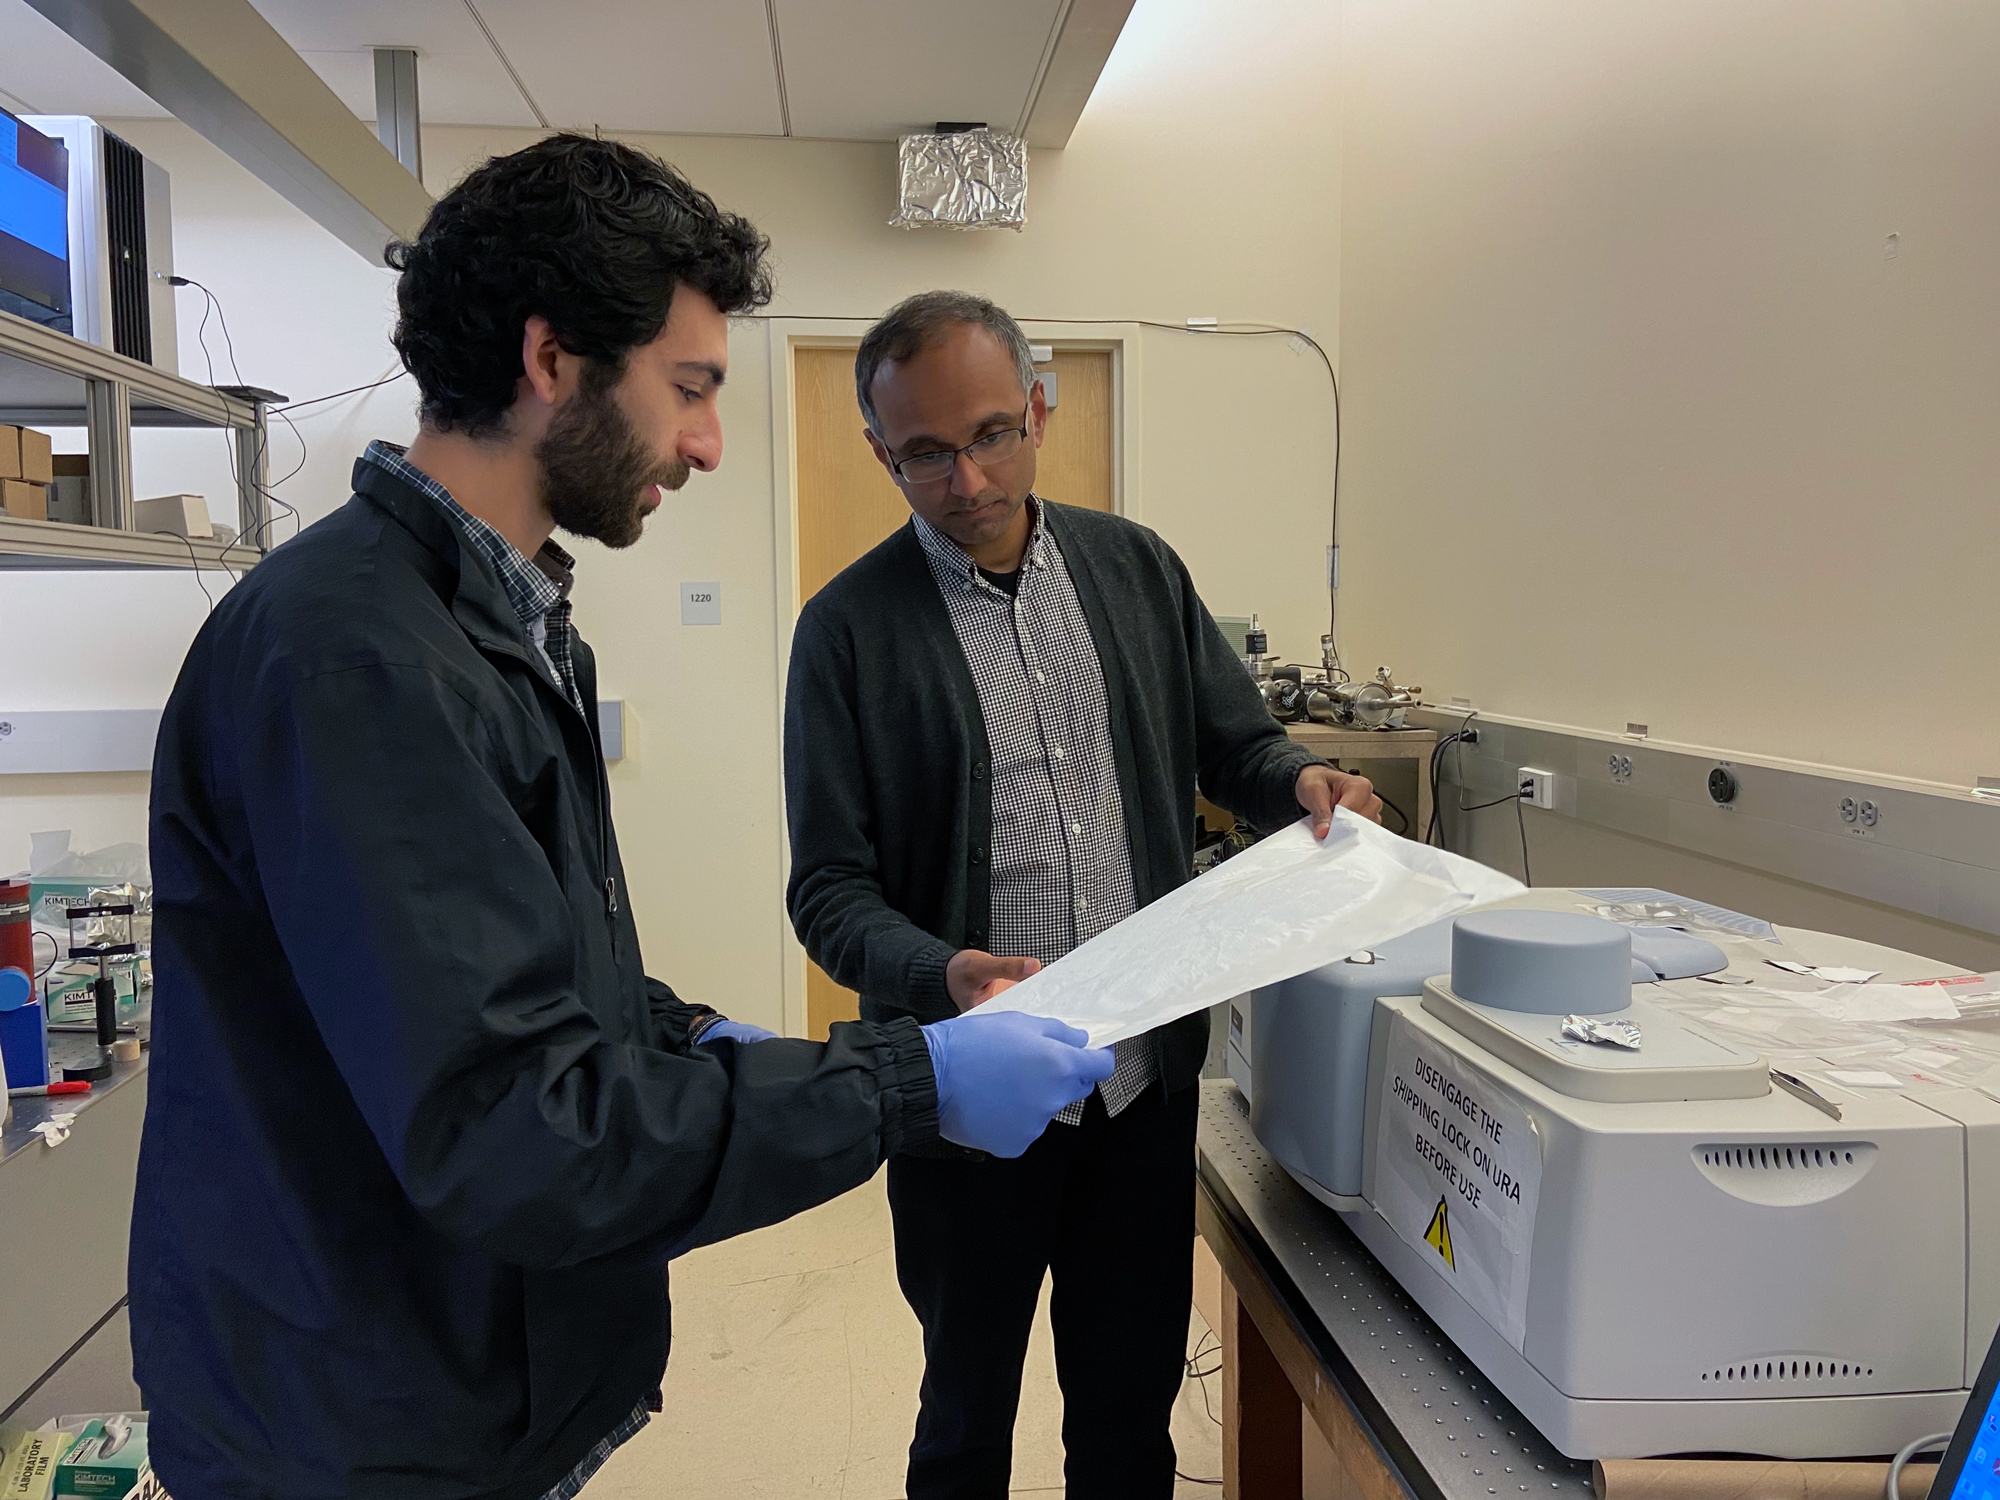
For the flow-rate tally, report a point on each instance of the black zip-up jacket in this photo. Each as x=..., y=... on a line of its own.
x=886, y=763
x=421, y=1134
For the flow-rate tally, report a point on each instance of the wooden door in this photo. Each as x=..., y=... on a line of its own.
x=847, y=503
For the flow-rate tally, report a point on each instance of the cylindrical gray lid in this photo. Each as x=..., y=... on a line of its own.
x=1547, y=962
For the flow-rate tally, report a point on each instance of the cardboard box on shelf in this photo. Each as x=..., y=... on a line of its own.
x=183, y=515
x=24, y=501
x=69, y=492
x=24, y=454
x=69, y=500
x=36, y=456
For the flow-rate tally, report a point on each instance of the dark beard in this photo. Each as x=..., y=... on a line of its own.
x=596, y=471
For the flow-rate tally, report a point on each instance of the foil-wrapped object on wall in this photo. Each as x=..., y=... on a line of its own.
x=969, y=179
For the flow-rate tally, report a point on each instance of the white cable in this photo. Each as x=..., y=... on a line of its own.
x=1891, y=1490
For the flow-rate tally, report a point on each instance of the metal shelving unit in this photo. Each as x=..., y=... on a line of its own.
x=48, y=379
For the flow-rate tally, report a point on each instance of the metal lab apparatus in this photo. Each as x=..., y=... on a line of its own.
x=102, y=933
x=1655, y=1251
x=1325, y=694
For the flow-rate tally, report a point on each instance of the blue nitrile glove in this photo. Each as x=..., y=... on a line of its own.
x=1003, y=1075
x=732, y=1031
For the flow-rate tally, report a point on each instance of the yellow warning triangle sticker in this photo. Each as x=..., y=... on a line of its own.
x=1438, y=1236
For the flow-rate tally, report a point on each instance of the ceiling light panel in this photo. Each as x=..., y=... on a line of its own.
x=697, y=66
x=459, y=80
x=877, y=69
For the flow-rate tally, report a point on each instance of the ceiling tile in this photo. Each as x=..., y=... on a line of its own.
x=858, y=69
x=451, y=90
x=874, y=71
x=459, y=79
x=653, y=65
x=43, y=71
x=441, y=26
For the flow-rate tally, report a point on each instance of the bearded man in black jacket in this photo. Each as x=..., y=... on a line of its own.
x=421, y=1133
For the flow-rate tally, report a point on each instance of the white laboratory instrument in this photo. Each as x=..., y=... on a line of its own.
x=1772, y=1228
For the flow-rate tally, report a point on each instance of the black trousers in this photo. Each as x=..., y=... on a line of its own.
x=1108, y=1207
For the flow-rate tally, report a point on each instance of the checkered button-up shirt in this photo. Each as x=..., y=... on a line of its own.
x=1060, y=866
x=538, y=588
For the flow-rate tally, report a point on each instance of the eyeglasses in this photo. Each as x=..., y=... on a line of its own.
x=994, y=448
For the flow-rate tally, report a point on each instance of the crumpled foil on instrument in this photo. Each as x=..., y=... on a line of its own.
x=1611, y=1031
x=971, y=179
x=140, y=899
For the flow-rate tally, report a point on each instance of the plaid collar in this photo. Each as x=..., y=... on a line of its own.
x=950, y=559
x=537, y=588
x=533, y=586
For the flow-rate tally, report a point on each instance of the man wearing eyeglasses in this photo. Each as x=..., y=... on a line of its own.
x=995, y=725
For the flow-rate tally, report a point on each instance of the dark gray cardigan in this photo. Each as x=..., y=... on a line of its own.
x=887, y=787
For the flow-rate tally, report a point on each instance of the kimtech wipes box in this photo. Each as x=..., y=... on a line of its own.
x=107, y=1461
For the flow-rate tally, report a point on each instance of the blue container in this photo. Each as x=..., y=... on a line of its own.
x=24, y=1032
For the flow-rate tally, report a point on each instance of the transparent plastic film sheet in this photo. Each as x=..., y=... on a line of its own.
x=1946, y=1034
x=1281, y=908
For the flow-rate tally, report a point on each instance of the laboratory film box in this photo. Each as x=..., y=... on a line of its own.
x=104, y=1464
x=28, y=1461
x=25, y=454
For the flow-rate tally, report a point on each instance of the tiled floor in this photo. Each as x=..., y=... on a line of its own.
x=795, y=1370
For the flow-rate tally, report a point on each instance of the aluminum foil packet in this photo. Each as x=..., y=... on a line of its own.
x=140, y=899
x=969, y=179
x=1611, y=1031
x=112, y=927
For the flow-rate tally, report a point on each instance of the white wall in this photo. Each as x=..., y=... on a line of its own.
x=1203, y=180
x=1647, y=422
x=1643, y=422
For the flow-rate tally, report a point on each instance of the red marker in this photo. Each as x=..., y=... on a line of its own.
x=49, y=1088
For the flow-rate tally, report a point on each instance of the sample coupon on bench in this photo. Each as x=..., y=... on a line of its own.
x=1458, y=1170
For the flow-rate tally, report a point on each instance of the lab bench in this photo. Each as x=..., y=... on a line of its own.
x=65, y=1217
x=1348, y=748
x=1313, y=1329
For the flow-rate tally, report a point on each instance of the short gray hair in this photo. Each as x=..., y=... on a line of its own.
x=916, y=323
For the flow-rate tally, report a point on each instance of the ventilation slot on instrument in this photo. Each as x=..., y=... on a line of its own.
x=1785, y=1173
x=125, y=232
x=1793, y=1369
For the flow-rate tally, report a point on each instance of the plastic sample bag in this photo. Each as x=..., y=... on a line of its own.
x=1279, y=909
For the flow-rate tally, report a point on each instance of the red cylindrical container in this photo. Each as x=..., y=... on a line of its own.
x=17, y=937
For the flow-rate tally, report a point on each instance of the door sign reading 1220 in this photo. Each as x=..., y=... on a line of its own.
x=701, y=604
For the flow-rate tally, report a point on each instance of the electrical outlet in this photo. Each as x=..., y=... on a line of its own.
x=1538, y=788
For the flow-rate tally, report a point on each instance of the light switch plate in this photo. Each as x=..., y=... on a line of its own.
x=701, y=604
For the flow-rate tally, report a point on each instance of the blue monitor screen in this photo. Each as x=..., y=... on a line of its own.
x=1980, y=1478
x=34, y=218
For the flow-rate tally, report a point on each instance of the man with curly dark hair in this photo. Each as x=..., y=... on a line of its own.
x=421, y=1133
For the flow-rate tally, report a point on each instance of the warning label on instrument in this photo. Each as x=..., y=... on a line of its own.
x=1458, y=1170
x=1438, y=1236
